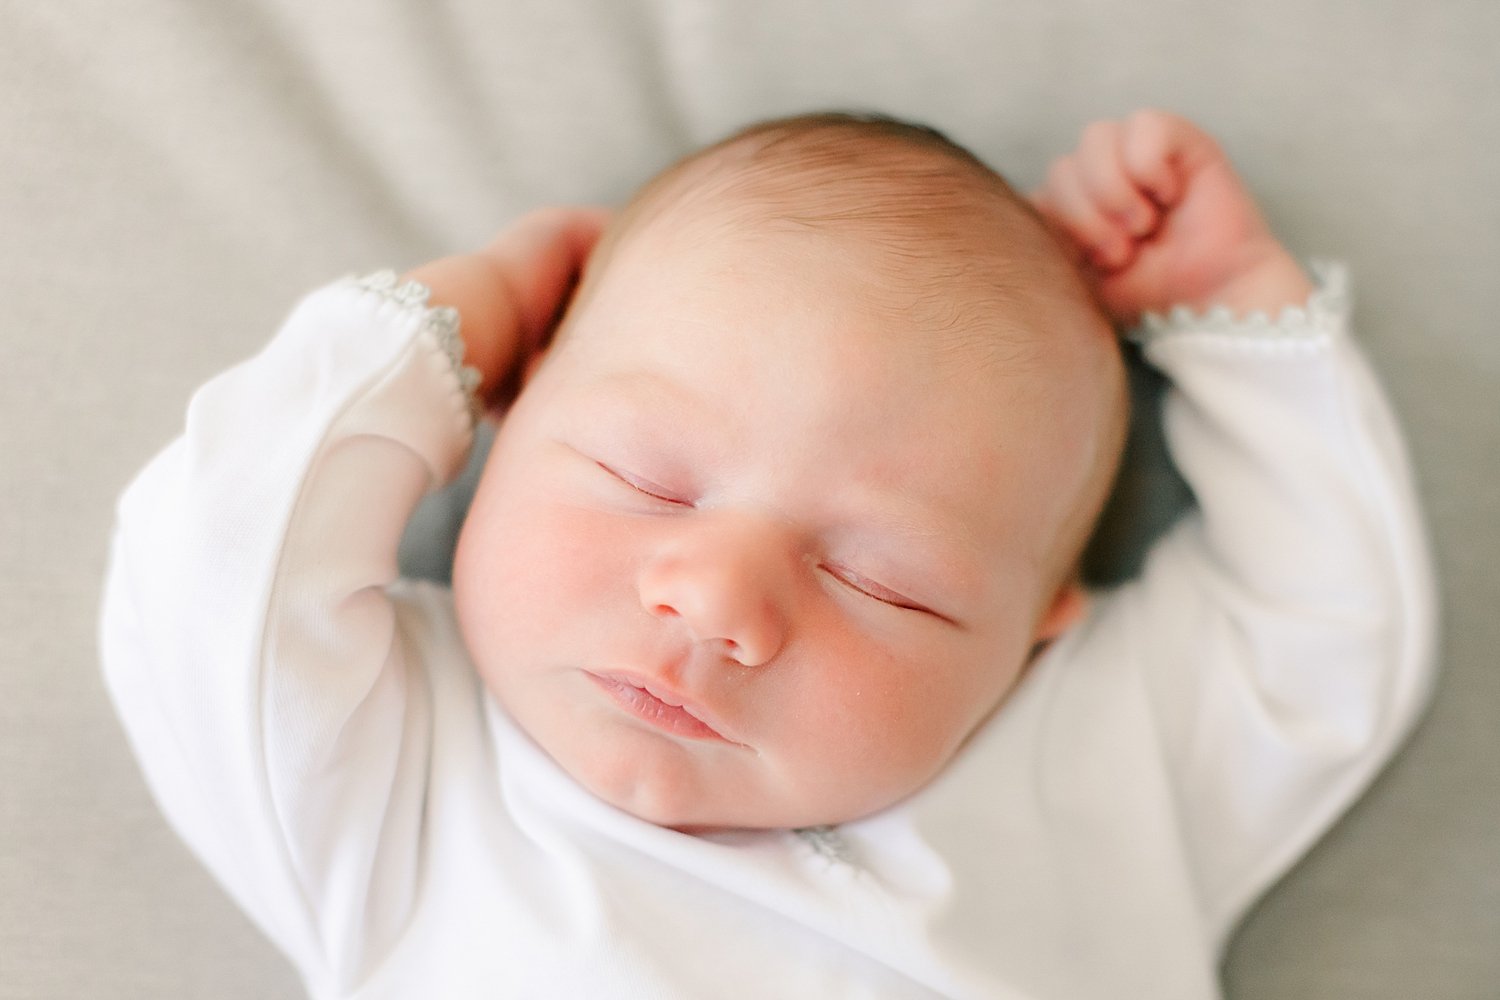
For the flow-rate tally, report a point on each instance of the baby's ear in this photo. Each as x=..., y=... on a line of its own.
x=1068, y=606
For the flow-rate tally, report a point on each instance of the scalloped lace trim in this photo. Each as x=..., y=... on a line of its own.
x=1326, y=308
x=439, y=321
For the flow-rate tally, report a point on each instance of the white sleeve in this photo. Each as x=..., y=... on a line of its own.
x=247, y=637
x=1284, y=628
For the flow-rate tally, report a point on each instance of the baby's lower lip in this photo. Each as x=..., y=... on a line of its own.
x=646, y=706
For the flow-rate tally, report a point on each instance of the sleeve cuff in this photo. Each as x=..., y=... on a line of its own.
x=1325, y=312
x=441, y=323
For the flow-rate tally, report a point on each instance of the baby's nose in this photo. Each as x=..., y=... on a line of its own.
x=728, y=578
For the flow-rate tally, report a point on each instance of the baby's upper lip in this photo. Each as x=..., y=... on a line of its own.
x=665, y=693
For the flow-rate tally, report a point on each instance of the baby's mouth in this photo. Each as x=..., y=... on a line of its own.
x=657, y=705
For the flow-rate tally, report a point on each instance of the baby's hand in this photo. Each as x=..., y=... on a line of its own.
x=1158, y=217
x=510, y=294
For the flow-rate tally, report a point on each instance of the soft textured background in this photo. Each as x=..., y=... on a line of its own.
x=173, y=174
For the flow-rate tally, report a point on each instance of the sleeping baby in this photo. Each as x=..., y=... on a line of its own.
x=766, y=670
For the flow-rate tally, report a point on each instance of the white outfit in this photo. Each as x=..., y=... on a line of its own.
x=313, y=726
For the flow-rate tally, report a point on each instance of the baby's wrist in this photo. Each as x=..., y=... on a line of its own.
x=1269, y=284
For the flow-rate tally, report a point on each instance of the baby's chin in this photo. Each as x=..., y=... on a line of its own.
x=684, y=807
x=722, y=806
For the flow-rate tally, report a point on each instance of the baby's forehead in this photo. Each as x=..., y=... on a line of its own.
x=954, y=291
x=950, y=303
x=780, y=316
x=942, y=311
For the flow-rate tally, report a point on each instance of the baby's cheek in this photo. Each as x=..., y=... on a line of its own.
x=889, y=720
x=865, y=727
x=535, y=573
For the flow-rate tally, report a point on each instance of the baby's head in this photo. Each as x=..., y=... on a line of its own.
x=801, y=486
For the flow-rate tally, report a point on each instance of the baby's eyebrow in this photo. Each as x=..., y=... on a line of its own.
x=654, y=414
x=637, y=386
x=941, y=558
x=644, y=381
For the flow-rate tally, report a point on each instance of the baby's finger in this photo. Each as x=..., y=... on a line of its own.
x=563, y=236
x=1150, y=143
x=540, y=258
x=1103, y=239
x=1106, y=180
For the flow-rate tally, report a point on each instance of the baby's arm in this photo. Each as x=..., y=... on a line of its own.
x=265, y=670
x=1284, y=629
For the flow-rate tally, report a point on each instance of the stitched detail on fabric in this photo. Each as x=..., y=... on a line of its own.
x=1325, y=311
x=441, y=323
x=826, y=842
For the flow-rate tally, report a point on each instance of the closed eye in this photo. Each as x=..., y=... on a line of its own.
x=645, y=486
x=869, y=588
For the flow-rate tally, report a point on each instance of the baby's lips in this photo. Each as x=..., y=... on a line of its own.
x=669, y=698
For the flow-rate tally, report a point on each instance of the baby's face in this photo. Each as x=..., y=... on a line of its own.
x=751, y=549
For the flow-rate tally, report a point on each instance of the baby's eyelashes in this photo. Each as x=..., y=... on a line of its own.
x=864, y=585
x=645, y=486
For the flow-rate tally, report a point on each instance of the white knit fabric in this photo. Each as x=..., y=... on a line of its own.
x=312, y=726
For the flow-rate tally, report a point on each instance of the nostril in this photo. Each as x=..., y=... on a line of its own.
x=734, y=652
